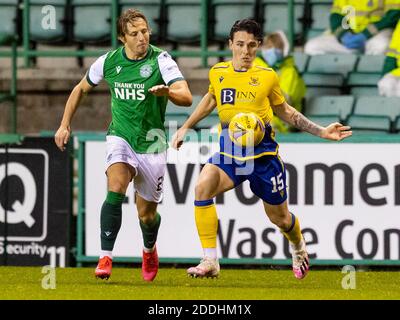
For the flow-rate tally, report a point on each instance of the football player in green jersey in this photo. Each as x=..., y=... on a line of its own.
x=141, y=78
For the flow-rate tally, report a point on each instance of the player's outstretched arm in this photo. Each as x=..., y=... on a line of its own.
x=178, y=93
x=334, y=131
x=64, y=131
x=203, y=109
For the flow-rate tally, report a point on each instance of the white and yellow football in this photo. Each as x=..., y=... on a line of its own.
x=246, y=129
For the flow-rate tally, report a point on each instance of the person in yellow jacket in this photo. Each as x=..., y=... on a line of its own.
x=389, y=85
x=357, y=26
x=275, y=54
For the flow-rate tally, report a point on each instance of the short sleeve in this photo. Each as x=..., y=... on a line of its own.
x=169, y=69
x=276, y=97
x=95, y=73
x=210, y=87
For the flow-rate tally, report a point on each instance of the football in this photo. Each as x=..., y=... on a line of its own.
x=246, y=129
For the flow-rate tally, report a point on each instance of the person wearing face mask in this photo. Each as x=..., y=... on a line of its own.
x=275, y=54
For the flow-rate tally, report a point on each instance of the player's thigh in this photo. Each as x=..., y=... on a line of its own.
x=268, y=180
x=211, y=182
x=150, y=176
x=118, y=177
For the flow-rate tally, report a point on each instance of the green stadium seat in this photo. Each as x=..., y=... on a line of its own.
x=39, y=28
x=324, y=120
x=363, y=79
x=183, y=20
x=397, y=124
x=329, y=70
x=88, y=29
x=225, y=12
x=320, y=12
x=323, y=80
x=275, y=15
x=364, y=91
x=151, y=9
x=301, y=60
x=8, y=18
x=339, y=106
x=332, y=63
x=321, y=91
x=370, y=63
x=378, y=106
x=365, y=122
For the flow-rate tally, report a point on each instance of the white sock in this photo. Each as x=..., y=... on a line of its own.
x=147, y=250
x=104, y=253
x=210, y=252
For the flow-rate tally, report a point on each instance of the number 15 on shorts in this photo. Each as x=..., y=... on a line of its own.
x=277, y=183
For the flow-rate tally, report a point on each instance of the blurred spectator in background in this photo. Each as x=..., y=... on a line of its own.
x=357, y=26
x=275, y=54
x=389, y=85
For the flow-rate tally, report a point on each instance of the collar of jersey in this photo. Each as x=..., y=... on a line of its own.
x=239, y=70
x=133, y=60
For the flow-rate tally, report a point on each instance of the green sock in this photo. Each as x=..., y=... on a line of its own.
x=150, y=231
x=110, y=219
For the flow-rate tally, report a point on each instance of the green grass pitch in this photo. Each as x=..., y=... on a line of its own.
x=173, y=284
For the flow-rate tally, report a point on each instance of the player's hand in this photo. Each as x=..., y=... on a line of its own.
x=159, y=90
x=177, y=139
x=336, y=131
x=62, y=136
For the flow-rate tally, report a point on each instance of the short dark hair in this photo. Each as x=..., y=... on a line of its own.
x=129, y=15
x=248, y=25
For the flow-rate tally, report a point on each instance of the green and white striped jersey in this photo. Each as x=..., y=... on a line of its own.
x=137, y=115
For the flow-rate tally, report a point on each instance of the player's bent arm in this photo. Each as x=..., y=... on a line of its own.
x=64, y=131
x=203, y=109
x=180, y=94
x=334, y=131
x=292, y=116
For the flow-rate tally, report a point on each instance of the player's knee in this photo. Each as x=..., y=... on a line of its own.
x=203, y=190
x=117, y=186
x=282, y=220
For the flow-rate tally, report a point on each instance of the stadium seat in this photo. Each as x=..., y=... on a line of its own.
x=40, y=29
x=321, y=91
x=364, y=91
x=375, y=113
x=336, y=106
x=364, y=122
x=332, y=63
x=363, y=79
x=275, y=15
x=86, y=29
x=329, y=70
x=320, y=12
x=301, y=60
x=397, y=124
x=151, y=9
x=370, y=63
x=225, y=12
x=179, y=13
x=8, y=18
x=378, y=106
x=323, y=80
x=324, y=120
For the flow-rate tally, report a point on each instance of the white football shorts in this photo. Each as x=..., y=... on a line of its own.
x=150, y=167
